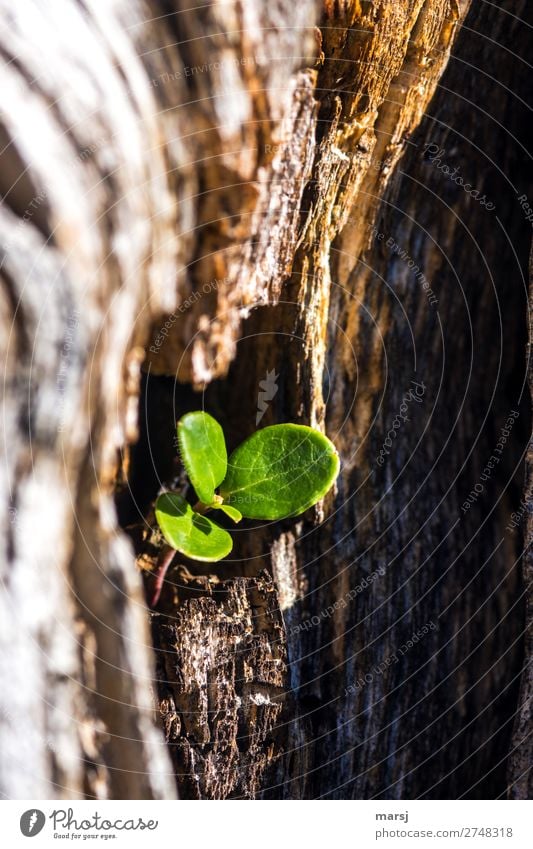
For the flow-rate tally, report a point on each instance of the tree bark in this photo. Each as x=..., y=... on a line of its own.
x=193, y=196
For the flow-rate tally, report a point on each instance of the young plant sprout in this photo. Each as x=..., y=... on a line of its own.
x=279, y=471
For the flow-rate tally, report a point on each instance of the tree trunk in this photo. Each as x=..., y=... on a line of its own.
x=195, y=196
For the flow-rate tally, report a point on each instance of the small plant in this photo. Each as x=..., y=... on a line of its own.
x=279, y=471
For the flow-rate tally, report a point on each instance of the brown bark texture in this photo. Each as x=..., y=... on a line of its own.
x=196, y=196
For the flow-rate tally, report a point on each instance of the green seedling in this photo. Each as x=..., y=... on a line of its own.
x=278, y=472
x=190, y=532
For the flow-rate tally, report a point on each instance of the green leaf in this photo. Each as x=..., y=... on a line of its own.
x=232, y=512
x=194, y=535
x=280, y=471
x=203, y=452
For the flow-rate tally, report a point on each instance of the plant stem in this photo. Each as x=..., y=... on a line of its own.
x=202, y=508
x=166, y=557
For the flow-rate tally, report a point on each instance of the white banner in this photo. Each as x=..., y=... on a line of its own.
x=231, y=825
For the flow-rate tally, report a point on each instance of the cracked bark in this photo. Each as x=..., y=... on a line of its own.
x=207, y=199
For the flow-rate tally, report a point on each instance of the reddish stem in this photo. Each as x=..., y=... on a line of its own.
x=165, y=559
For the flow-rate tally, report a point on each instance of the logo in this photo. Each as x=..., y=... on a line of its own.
x=268, y=388
x=32, y=822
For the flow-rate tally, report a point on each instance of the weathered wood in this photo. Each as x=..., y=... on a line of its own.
x=222, y=682
x=89, y=210
x=105, y=228
x=521, y=754
x=397, y=563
